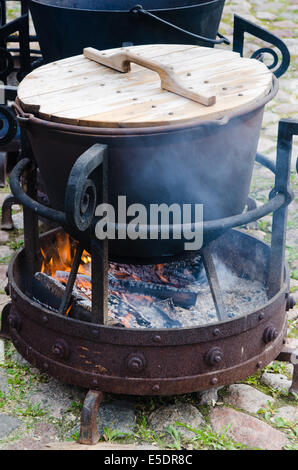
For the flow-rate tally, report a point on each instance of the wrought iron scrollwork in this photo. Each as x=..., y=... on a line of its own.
x=8, y=125
x=242, y=26
x=259, y=55
x=82, y=190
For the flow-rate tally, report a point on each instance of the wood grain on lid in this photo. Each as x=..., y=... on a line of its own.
x=82, y=92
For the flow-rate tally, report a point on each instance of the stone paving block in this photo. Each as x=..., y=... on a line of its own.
x=3, y=381
x=55, y=397
x=276, y=381
x=247, y=430
x=3, y=276
x=184, y=413
x=18, y=220
x=288, y=413
x=5, y=252
x=247, y=398
x=8, y=424
x=4, y=236
x=119, y=415
x=43, y=435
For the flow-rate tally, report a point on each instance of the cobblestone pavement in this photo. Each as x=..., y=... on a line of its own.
x=37, y=412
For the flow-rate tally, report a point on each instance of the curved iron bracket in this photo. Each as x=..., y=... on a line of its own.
x=84, y=187
x=27, y=201
x=242, y=26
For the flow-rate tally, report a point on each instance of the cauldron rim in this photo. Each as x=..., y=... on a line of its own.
x=25, y=118
x=182, y=7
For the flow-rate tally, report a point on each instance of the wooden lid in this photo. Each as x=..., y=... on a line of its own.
x=82, y=92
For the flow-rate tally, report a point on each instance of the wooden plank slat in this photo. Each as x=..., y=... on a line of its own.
x=79, y=91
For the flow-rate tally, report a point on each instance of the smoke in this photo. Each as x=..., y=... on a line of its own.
x=208, y=164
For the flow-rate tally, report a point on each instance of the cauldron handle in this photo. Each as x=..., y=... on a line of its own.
x=140, y=10
x=169, y=80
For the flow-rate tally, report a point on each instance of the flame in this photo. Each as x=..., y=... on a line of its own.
x=125, y=321
x=60, y=257
x=68, y=310
x=57, y=260
x=158, y=268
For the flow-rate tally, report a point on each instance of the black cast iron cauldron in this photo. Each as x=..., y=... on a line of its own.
x=65, y=27
x=206, y=162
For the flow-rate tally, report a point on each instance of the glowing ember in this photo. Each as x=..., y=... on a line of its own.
x=156, y=296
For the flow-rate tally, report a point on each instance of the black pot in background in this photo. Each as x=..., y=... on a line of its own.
x=64, y=28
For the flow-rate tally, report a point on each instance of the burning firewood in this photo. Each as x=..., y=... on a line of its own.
x=182, y=297
x=120, y=294
x=179, y=274
x=49, y=292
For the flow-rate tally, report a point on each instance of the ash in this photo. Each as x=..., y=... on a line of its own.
x=172, y=295
x=240, y=296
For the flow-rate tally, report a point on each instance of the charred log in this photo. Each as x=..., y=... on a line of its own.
x=182, y=297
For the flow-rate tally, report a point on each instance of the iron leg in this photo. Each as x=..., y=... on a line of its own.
x=89, y=430
x=294, y=387
x=6, y=219
x=4, y=331
x=291, y=355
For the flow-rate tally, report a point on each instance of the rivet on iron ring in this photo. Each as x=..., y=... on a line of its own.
x=156, y=339
x=136, y=362
x=270, y=334
x=61, y=349
x=214, y=356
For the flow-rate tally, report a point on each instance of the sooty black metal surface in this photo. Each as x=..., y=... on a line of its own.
x=106, y=24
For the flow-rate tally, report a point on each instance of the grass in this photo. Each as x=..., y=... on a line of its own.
x=173, y=438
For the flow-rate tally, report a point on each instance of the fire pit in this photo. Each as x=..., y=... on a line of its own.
x=156, y=320
x=86, y=343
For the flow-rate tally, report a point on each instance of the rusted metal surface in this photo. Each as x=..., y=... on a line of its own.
x=291, y=355
x=89, y=428
x=151, y=361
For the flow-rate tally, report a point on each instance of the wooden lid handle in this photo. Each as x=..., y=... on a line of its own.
x=169, y=81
